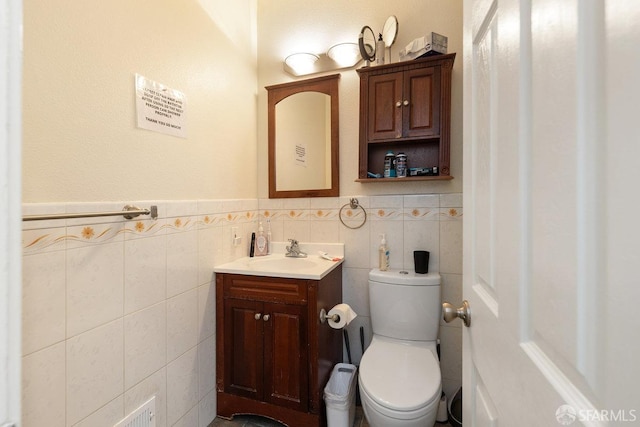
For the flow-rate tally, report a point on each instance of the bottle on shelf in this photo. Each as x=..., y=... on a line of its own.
x=389, y=165
x=401, y=165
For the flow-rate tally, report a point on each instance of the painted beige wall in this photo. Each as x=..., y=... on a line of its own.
x=288, y=26
x=80, y=139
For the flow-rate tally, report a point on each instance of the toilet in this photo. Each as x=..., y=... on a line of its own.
x=399, y=376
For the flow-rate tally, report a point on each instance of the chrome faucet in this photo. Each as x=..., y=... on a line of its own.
x=294, y=251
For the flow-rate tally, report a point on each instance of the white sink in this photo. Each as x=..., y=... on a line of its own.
x=278, y=265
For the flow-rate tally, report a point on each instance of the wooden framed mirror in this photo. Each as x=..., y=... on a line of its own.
x=303, y=133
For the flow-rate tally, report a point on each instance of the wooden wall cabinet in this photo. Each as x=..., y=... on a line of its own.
x=274, y=356
x=406, y=107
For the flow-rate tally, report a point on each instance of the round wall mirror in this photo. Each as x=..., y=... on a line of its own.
x=390, y=31
x=367, y=44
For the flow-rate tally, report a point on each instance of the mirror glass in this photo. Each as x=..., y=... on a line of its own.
x=367, y=44
x=303, y=138
x=303, y=162
x=390, y=31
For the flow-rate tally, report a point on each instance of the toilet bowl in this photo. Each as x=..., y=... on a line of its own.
x=399, y=376
x=400, y=383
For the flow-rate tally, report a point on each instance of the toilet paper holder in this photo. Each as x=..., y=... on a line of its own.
x=324, y=316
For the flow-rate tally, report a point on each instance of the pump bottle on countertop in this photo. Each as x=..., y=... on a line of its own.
x=383, y=254
x=261, y=242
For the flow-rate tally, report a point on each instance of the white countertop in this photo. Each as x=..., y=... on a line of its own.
x=278, y=265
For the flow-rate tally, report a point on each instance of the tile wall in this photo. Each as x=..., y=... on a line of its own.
x=116, y=310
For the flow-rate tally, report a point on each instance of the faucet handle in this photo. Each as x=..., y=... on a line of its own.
x=294, y=242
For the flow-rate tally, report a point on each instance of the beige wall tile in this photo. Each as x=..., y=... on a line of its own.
x=95, y=286
x=43, y=300
x=95, y=370
x=182, y=387
x=145, y=343
x=43, y=387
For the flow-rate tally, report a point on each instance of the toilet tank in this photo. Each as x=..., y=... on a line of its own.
x=405, y=305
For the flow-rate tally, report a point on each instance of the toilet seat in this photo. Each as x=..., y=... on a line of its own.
x=402, y=379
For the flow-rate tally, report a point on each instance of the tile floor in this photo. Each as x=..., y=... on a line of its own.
x=255, y=421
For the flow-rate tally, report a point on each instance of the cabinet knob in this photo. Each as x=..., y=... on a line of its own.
x=398, y=104
x=266, y=317
x=258, y=316
x=405, y=103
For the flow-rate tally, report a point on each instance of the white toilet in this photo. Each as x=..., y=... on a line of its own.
x=399, y=375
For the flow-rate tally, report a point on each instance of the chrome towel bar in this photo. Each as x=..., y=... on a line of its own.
x=129, y=212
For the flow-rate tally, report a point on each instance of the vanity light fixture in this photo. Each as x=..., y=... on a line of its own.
x=341, y=55
x=345, y=54
x=301, y=63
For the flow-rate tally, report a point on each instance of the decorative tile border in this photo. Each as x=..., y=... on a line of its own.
x=421, y=214
x=143, y=228
x=97, y=234
x=43, y=240
x=66, y=234
x=394, y=214
x=451, y=214
x=192, y=215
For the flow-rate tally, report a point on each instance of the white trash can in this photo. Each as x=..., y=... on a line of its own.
x=340, y=396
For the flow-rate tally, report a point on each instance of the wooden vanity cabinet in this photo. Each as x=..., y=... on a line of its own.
x=406, y=107
x=274, y=357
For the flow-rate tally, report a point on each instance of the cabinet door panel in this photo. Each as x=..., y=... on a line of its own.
x=422, y=91
x=385, y=118
x=243, y=348
x=285, y=356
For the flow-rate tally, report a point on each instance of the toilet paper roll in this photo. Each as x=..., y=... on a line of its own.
x=345, y=313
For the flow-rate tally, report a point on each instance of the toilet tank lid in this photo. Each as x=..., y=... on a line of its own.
x=404, y=277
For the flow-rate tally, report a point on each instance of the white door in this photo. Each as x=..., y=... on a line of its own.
x=10, y=211
x=551, y=200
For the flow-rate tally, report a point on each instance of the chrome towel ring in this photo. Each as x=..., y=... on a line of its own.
x=353, y=204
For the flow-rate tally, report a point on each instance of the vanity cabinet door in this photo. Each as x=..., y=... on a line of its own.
x=286, y=355
x=243, y=347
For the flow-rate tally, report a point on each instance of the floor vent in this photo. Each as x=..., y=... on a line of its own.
x=144, y=416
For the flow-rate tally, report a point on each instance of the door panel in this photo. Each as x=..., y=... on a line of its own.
x=486, y=414
x=243, y=347
x=285, y=356
x=553, y=178
x=422, y=91
x=385, y=118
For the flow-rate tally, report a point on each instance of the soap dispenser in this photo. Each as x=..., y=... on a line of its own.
x=383, y=254
x=261, y=242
